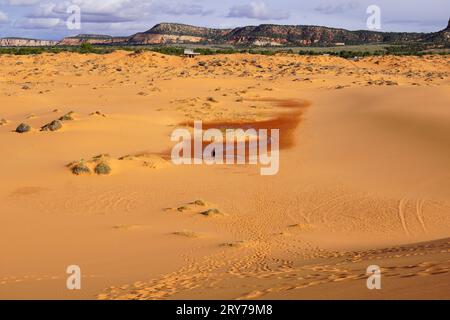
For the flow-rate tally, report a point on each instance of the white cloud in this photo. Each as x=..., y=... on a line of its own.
x=3, y=17
x=257, y=10
x=21, y=2
x=128, y=16
x=337, y=7
x=116, y=11
x=183, y=9
x=37, y=23
x=103, y=7
x=105, y=11
x=44, y=10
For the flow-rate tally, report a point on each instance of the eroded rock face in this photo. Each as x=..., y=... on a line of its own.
x=92, y=39
x=268, y=34
x=22, y=42
x=440, y=38
x=262, y=35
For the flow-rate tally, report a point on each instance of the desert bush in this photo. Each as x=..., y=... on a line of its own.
x=199, y=203
x=67, y=116
x=102, y=168
x=86, y=48
x=22, y=128
x=52, y=126
x=210, y=212
x=80, y=168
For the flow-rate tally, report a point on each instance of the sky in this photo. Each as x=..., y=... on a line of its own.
x=46, y=19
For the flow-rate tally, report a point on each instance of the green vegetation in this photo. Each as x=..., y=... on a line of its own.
x=84, y=48
x=178, y=50
x=23, y=127
x=80, y=168
x=102, y=168
x=52, y=126
x=346, y=54
x=211, y=212
x=67, y=117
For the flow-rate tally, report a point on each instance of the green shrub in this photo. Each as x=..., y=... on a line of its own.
x=102, y=168
x=80, y=168
x=22, y=128
x=86, y=48
x=52, y=126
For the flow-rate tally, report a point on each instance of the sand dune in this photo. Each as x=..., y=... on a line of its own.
x=363, y=177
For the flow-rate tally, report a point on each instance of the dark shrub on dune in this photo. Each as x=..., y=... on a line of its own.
x=52, y=126
x=102, y=168
x=22, y=128
x=211, y=212
x=80, y=168
x=199, y=203
x=67, y=117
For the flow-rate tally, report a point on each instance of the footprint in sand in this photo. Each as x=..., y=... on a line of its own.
x=147, y=160
x=198, y=207
x=187, y=234
x=302, y=227
x=98, y=113
x=125, y=227
x=27, y=191
x=234, y=244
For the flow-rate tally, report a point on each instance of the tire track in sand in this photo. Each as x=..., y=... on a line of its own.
x=401, y=214
x=419, y=213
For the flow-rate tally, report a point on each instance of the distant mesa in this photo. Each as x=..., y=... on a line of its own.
x=262, y=35
x=272, y=35
x=442, y=37
x=92, y=39
x=25, y=42
x=165, y=33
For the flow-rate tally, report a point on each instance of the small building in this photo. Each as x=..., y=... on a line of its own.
x=190, y=53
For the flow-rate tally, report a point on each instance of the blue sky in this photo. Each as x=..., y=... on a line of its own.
x=46, y=19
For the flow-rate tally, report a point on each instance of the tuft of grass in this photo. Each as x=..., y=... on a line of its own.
x=67, y=117
x=102, y=156
x=199, y=203
x=235, y=244
x=182, y=208
x=52, y=126
x=98, y=113
x=211, y=99
x=23, y=128
x=186, y=233
x=211, y=212
x=80, y=168
x=102, y=168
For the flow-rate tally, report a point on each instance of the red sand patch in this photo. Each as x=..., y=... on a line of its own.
x=285, y=121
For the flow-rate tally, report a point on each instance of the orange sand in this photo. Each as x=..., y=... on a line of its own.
x=363, y=178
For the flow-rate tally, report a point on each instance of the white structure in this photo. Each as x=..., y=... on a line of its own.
x=190, y=53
